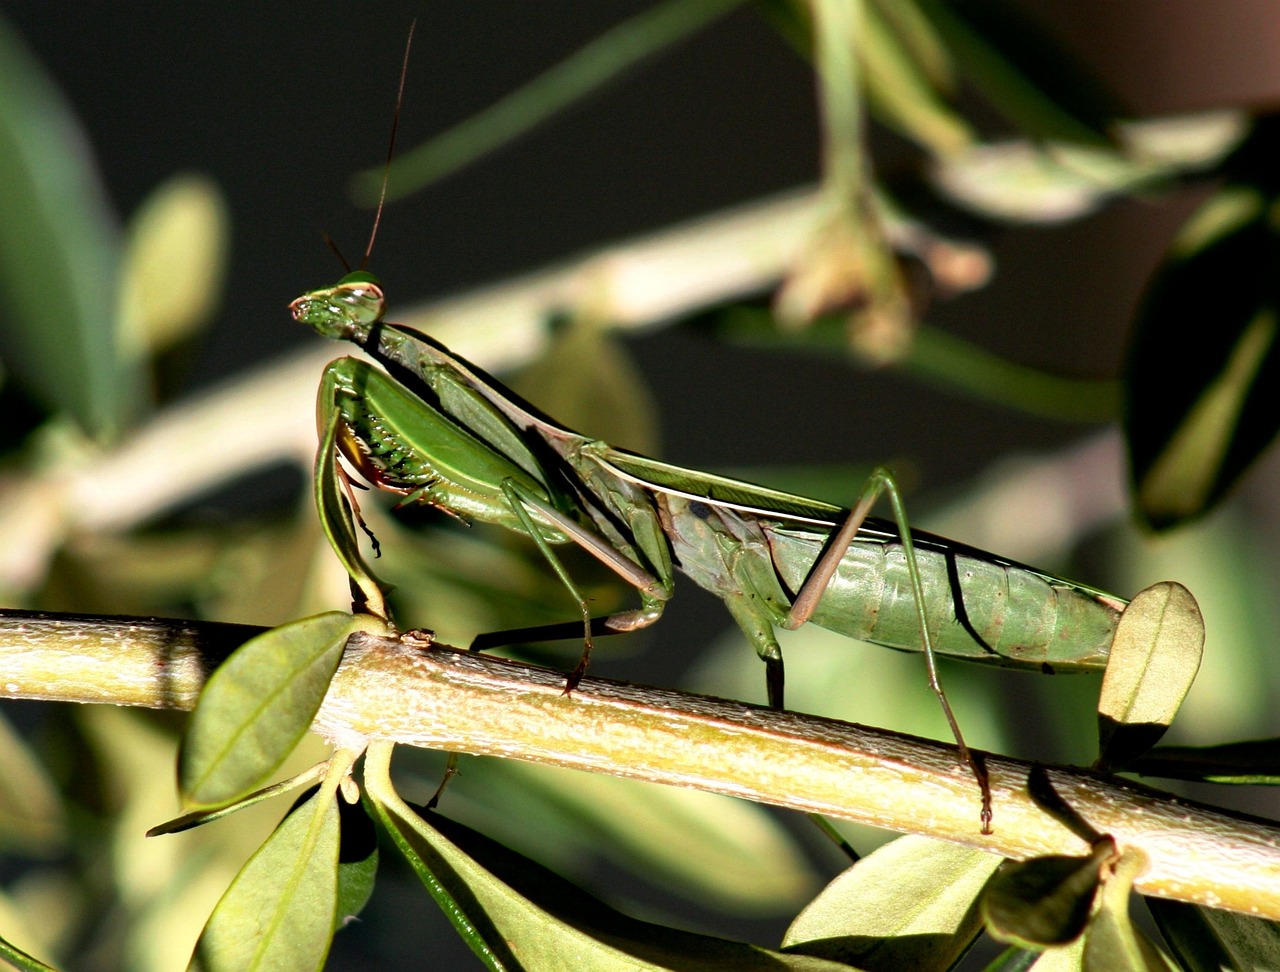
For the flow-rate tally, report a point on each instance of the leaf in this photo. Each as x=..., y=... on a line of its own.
x=1033, y=182
x=1021, y=73
x=581, y=73
x=21, y=960
x=1209, y=939
x=901, y=93
x=912, y=904
x=258, y=704
x=1203, y=357
x=1154, y=659
x=278, y=914
x=712, y=848
x=1242, y=763
x=1112, y=943
x=1044, y=901
x=59, y=254
x=175, y=261
x=357, y=860
x=516, y=914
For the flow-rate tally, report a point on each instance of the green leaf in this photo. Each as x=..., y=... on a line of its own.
x=1242, y=763
x=59, y=256
x=579, y=74
x=709, y=847
x=21, y=960
x=257, y=706
x=1112, y=943
x=901, y=93
x=586, y=380
x=1208, y=939
x=278, y=914
x=1044, y=901
x=517, y=914
x=1203, y=359
x=1154, y=659
x=912, y=904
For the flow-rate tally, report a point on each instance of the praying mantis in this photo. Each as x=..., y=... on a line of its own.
x=436, y=430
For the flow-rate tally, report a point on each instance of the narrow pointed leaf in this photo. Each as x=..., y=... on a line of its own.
x=1154, y=659
x=1021, y=73
x=21, y=960
x=278, y=914
x=1209, y=939
x=516, y=914
x=1242, y=763
x=913, y=904
x=257, y=705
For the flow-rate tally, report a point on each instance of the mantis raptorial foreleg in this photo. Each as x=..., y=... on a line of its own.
x=881, y=481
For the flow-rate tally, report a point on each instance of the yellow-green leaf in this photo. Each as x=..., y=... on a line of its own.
x=278, y=914
x=258, y=704
x=1154, y=659
x=912, y=904
x=175, y=261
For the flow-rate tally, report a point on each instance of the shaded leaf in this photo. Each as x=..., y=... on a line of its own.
x=1253, y=762
x=1209, y=939
x=1203, y=357
x=278, y=914
x=1024, y=76
x=912, y=904
x=586, y=380
x=1112, y=943
x=1154, y=659
x=1044, y=901
x=31, y=814
x=712, y=848
x=357, y=860
x=258, y=704
x=516, y=914
x=59, y=254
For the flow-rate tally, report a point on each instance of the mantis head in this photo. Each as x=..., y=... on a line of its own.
x=346, y=310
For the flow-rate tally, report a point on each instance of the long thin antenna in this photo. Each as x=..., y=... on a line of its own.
x=391, y=147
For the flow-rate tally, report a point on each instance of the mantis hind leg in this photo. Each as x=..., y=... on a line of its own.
x=882, y=481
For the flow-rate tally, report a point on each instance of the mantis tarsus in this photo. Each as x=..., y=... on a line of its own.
x=439, y=431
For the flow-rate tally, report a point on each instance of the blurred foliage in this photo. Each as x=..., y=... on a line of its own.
x=92, y=318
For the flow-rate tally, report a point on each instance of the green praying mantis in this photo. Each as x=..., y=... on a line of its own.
x=436, y=430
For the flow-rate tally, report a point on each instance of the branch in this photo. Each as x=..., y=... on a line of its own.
x=467, y=703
